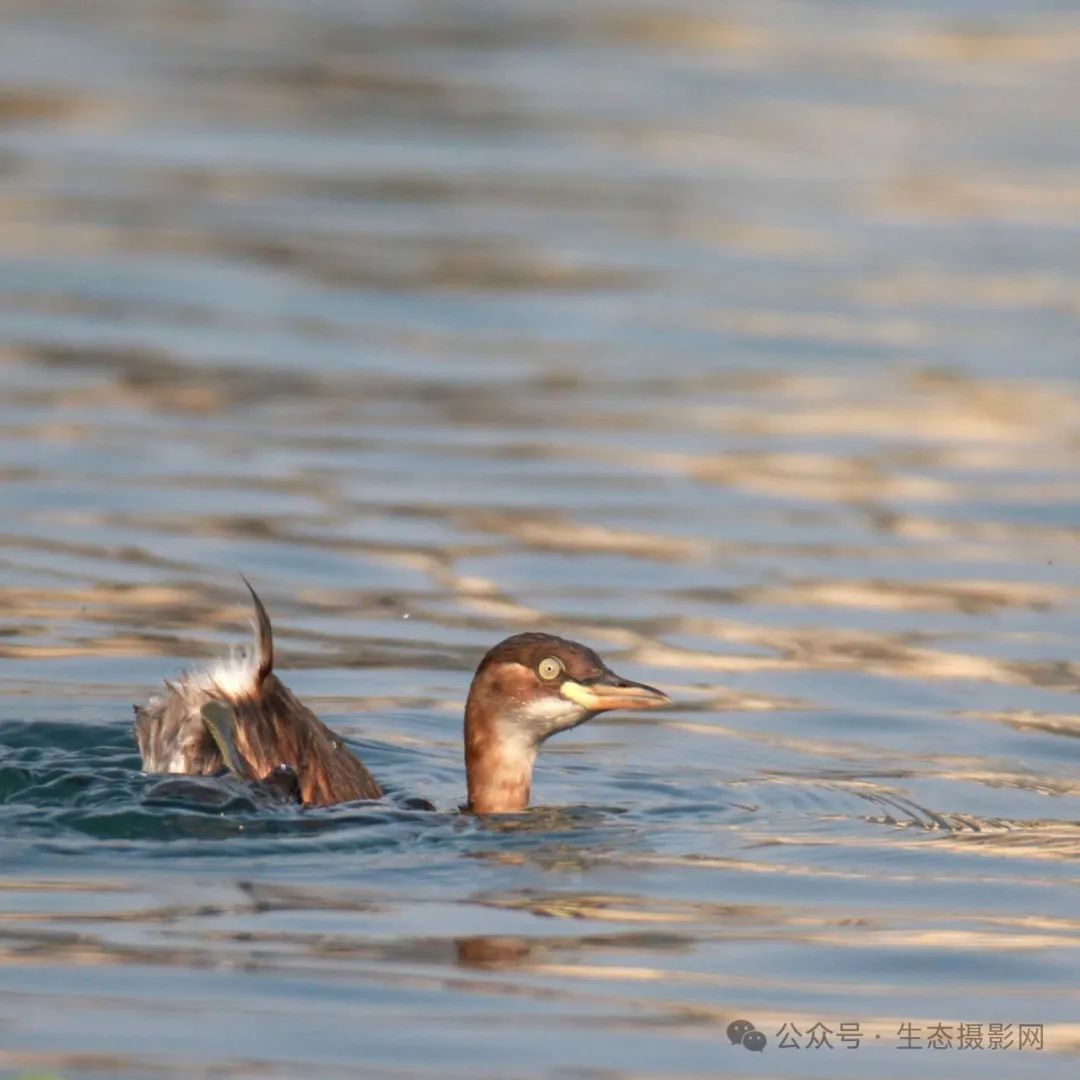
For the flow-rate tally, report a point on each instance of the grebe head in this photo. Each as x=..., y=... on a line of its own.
x=526, y=689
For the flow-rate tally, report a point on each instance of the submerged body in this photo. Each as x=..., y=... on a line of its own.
x=238, y=716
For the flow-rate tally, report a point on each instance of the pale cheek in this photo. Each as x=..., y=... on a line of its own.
x=544, y=716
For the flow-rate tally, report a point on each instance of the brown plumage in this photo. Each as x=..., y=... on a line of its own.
x=271, y=728
x=526, y=689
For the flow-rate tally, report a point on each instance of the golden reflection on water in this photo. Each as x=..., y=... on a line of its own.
x=739, y=344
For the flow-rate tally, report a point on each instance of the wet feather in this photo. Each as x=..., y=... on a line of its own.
x=256, y=725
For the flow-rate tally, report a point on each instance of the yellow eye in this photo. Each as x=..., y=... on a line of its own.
x=549, y=668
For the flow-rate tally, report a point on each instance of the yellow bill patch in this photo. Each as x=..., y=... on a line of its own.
x=579, y=695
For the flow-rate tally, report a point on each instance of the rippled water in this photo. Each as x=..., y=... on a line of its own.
x=736, y=340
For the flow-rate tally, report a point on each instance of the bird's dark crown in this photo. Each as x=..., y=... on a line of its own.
x=529, y=649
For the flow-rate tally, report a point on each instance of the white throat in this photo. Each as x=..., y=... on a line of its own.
x=543, y=717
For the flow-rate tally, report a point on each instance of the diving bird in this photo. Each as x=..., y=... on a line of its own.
x=238, y=716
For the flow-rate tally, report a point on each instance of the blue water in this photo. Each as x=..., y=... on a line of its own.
x=736, y=341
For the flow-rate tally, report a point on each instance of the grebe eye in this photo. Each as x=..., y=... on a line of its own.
x=549, y=668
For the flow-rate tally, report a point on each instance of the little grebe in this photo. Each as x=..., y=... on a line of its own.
x=238, y=715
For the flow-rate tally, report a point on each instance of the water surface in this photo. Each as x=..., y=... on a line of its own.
x=738, y=341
